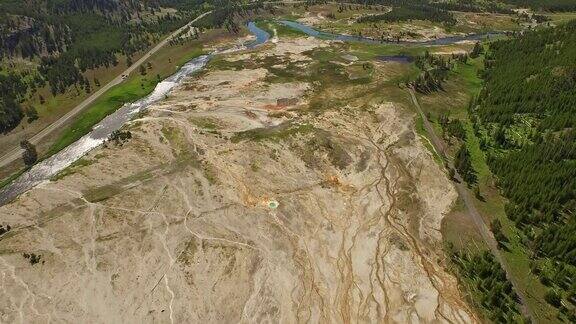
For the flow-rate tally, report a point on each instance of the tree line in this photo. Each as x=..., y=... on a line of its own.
x=487, y=280
x=446, y=6
x=409, y=12
x=12, y=88
x=63, y=39
x=435, y=70
x=525, y=117
x=549, y=5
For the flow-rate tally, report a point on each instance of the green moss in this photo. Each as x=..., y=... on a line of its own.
x=73, y=168
x=254, y=166
x=219, y=63
x=205, y=123
x=275, y=134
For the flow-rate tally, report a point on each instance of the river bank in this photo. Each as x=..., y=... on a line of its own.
x=67, y=151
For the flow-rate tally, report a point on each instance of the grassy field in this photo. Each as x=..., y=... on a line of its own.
x=281, y=30
x=474, y=22
x=561, y=17
x=366, y=51
x=55, y=106
x=420, y=130
x=459, y=232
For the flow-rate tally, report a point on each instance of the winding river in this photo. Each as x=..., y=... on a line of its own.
x=50, y=167
x=349, y=38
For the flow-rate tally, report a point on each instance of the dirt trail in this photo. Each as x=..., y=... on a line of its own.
x=232, y=203
x=463, y=192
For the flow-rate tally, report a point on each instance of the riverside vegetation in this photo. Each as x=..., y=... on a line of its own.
x=59, y=46
x=521, y=114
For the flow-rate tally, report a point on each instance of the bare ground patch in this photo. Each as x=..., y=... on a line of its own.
x=324, y=216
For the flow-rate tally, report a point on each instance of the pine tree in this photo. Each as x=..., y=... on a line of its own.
x=30, y=155
x=463, y=164
x=477, y=50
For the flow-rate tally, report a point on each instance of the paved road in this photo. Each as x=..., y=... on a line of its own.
x=460, y=185
x=15, y=153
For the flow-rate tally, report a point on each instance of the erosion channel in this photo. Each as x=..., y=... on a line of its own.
x=283, y=182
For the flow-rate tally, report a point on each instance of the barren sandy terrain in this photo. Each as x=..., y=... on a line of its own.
x=236, y=200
